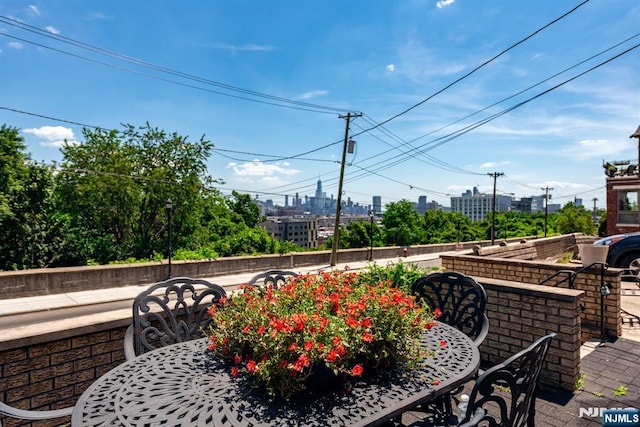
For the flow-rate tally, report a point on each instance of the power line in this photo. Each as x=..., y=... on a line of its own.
x=476, y=68
x=13, y=110
x=96, y=49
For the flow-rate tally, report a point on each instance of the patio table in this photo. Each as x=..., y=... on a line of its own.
x=184, y=385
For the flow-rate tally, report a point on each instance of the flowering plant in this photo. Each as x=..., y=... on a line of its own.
x=279, y=336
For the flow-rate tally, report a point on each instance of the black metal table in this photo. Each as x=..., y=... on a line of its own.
x=183, y=385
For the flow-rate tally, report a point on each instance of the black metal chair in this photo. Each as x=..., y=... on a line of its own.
x=272, y=277
x=460, y=298
x=25, y=414
x=513, y=408
x=168, y=312
x=462, y=301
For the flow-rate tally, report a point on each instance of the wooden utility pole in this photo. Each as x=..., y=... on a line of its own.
x=336, y=227
x=495, y=176
x=546, y=207
x=595, y=217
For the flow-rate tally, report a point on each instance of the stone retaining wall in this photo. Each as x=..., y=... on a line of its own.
x=45, y=281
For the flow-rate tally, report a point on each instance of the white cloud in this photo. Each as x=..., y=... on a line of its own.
x=258, y=172
x=595, y=148
x=391, y=68
x=242, y=48
x=33, y=9
x=52, y=30
x=99, y=16
x=313, y=94
x=15, y=45
x=444, y=3
x=494, y=164
x=53, y=136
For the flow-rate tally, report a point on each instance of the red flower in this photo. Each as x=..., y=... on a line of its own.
x=234, y=371
x=293, y=346
x=308, y=346
x=237, y=359
x=357, y=370
x=353, y=323
x=443, y=343
x=332, y=356
x=436, y=382
x=301, y=363
x=437, y=313
x=367, y=337
x=251, y=366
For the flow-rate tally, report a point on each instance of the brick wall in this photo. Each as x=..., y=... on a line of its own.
x=520, y=313
x=533, y=272
x=50, y=374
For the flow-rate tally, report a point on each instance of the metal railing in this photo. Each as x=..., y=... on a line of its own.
x=570, y=279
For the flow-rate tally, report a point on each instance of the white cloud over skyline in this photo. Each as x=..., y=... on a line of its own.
x=444, y=3
x=53, y=136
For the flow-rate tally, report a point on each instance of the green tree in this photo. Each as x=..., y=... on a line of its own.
x=403, y=225
x=574, y=219
x=357, y=234
x=26, y=206
x=246, y=209
x=115, y=186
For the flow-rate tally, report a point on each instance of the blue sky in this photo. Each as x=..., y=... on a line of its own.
x=267, y=82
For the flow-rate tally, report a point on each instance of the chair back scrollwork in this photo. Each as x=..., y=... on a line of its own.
x=505, y=395
x=274, y=278
x=172, y=311
x=460, y=298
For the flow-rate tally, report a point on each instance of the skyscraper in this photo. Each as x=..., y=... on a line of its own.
x=377, y=204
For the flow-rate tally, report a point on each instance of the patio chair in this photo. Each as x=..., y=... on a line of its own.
x=520, y=374
x=26, y=414
x=271, y=277
x=460, y=298
x=504, y=395
x=462, y=301
x=168, y=312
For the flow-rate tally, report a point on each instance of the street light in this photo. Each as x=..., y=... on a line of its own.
x=371, y=215
x=169, y=207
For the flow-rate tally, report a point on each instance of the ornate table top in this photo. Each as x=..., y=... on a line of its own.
x=183, y=385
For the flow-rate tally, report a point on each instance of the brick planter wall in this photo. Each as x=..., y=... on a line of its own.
x=533, y=272
x=50, y=374
x=519, y=314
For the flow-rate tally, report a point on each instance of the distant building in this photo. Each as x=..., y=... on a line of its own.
x=477, y=206
x=301, y=231
x=523, y=205
x=377, y=204
x=422, y=204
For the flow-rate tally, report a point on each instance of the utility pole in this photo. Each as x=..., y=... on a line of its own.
x=495, y=176
x=336, y=227
x=595, y=220
x=546, y=206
